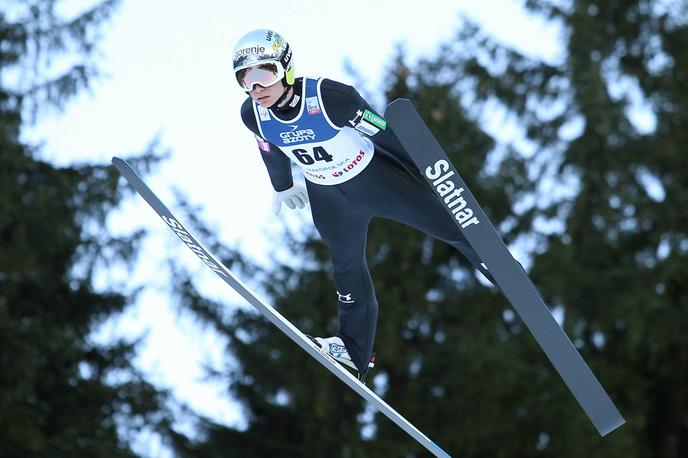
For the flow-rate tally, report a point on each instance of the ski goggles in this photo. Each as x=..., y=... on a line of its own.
x=265, y=74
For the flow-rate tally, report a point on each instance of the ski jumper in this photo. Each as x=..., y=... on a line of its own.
x=334, y=136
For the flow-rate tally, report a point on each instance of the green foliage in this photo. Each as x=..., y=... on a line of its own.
x=61, y=394
x=626, y=235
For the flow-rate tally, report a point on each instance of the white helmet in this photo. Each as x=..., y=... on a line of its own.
x=262, y=57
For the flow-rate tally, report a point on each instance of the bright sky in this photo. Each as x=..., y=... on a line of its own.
x=168, y=67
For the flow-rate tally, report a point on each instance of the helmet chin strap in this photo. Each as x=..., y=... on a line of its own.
x=282, y=98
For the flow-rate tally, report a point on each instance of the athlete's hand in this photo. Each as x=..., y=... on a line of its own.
x=294, y=197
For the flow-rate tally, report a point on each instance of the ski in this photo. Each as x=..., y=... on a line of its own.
x=270, y=313
x=451, y=190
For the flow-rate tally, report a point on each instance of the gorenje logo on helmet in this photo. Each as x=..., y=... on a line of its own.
x=250, y=50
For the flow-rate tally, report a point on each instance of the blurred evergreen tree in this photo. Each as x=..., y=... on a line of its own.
x=61, y=394
x=601, y=204
x=625, y=233
x=607, y=123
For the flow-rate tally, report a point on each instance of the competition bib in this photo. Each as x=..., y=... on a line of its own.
x=327, y=154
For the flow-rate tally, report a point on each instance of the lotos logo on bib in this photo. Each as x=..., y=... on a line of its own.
x=350, y=166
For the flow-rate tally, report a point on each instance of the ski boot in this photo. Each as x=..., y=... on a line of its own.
x=336, y=349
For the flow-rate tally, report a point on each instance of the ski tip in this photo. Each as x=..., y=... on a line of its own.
x=123, y=167
x=396, y=104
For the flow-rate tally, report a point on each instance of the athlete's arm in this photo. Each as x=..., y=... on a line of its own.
x=277, y=163
x=345, y=107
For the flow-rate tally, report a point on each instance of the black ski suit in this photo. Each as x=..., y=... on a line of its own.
x=382, y=187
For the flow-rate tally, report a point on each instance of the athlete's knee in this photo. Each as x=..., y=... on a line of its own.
x=347, y=262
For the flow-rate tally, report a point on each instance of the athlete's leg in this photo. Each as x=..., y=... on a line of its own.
x=392, y=192
x=343, y=227
x=402, y=197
